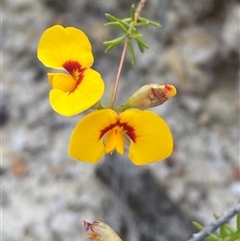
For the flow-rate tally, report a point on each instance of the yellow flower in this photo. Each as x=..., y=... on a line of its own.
x=148, y=136
x=80, y=87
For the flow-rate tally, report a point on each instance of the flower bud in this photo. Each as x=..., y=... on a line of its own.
x=150, y=95
x=99, y=231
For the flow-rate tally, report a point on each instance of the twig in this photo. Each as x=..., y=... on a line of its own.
x=137, y=15
x=118, y=74
x=225, y=218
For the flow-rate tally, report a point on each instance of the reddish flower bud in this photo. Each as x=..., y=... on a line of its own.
x=99, y=231
x=150, y=95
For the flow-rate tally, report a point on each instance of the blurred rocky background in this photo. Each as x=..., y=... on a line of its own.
x=46, y=194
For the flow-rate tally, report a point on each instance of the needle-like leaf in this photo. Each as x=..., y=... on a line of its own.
x=143, y=43
x=150, y=22
x=132, y=54
x=114, y=41
x=109, y=48
x=133, y=13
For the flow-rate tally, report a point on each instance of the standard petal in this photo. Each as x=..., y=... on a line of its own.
x=86, y=141
x=58, y=45
x=85, y=95
x=153, y=140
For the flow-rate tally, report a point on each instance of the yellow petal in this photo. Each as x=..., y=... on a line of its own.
x=169, y=90
x=114, y=140
x=111, y=141
x=86, y=94
x=61, y=81
x=50, y=77
x=120, y=142
x=58, y=45
x=153, y=138
x=86, y=141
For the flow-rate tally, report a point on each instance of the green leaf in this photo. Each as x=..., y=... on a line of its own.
x=143, y=43
x=111, y=17
x=140, y=46
x=136, y=35
x=123, y=23
x=141, y=24
x=132, y=54
x=216, y=216
x=114, y=19
x=127, y=20
x=213, y=237
x=229, y=228
x=150, y=22
x=111, y=24
x=134, y=31
x=234, y=237
x=121, y=26
x=238, y=221
x=116, y=41
x=223, y=232
x=109, y=48
x=116, y=24
x=133, y=13
x=198, y=226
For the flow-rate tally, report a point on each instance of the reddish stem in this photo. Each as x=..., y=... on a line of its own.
x=118, y=74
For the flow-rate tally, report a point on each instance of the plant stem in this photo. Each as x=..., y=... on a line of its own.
x=132, y=25
x=119, y=73
x=138, y=13
x=226, y=217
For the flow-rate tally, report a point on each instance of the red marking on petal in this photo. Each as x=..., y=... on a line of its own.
x=129, y=130
x=71, y=66
x=106, y=129
x=76, y=70
x=168, y=88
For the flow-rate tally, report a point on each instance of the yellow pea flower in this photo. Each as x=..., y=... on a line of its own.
x=148, y=136
x=80, y=87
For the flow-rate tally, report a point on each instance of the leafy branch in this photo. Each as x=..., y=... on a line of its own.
x=128, y=27
x=226, y=232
